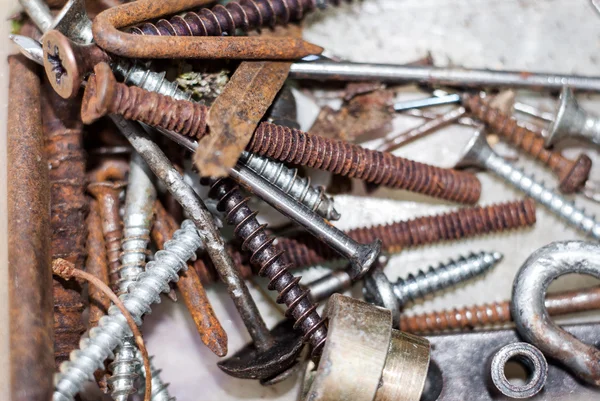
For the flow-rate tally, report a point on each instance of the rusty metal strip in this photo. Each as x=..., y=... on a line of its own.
x=192, y=291
x=235, y=114
x=30, y=277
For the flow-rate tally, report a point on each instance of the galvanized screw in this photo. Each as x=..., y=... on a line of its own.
x=113, y=327
x=289, y=182
x=572, y=121
x=478, y=153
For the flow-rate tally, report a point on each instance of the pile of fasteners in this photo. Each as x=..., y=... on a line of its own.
x=111, y=142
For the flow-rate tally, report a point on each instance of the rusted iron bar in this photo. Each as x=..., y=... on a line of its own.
x=63, y=133
x=30, y=276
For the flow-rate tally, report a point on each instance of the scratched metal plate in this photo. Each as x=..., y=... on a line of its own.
x=552, y=35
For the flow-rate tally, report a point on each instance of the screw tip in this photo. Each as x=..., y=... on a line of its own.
x=497, y=256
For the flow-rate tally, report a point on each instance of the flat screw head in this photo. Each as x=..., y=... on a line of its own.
x=560, y=127
x=60, y=64
x=99, y=94
x=476, y=151
x=366, y=256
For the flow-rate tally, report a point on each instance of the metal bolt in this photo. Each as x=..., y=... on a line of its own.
x=111, y=328
x=572, y=121
x=436, y=76
x=478, y=153
x=497, y=313
x=288, y=180
x=572, y=173
x=270, y=261
x=305, y=250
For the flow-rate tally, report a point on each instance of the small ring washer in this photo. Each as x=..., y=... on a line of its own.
x=532, y=358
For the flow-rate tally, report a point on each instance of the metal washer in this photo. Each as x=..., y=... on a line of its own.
x=529, y=356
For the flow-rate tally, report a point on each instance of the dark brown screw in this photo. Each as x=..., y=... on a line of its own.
x=107, y=195
x=305, y=250
x=343, y=158
x=63, y=133
x=244, y=15
x=104, y=95
x=269, y=260
x=572, y=173
x=497, y=313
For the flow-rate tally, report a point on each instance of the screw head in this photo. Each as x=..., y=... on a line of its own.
x=576, y=177
x=476, y=151
x=564, y=117
x=60, y=64
x=99, y=93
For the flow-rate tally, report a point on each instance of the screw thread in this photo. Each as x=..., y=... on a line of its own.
x=270, y=261
x=133, y=103
x=288, y=180
x=137, y=222
x=124, y=370
x=113, y=327
x=304, y=250
x=572, y=173
x=444, y=276
x=226, y=20
x=381, y=168
x=160, y=390
x=469, y=317
x=135, y=74
x=556, y=203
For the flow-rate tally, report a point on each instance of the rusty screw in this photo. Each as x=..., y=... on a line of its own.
x=304, y=250
x=107, y=195
x=270, y=261
x=244, y=15
x=104, y=95
x=497, y=313
x=572, y=173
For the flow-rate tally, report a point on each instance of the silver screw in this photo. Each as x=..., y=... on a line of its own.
x=113, y=327
x=447, y=275
x=289, y=182
x=160, y=390
x=478, y=153
x=572, y=121
x=137, y=222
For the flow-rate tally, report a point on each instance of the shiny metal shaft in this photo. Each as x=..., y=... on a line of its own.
x=288, y=180
x=463, y=77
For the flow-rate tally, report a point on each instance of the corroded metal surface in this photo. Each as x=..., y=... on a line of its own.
x=124, y=44
x=233, y=117
x=209, y=328
x=496, y=313
x=104, y=95
x=29, y=273
x=572, y=173
x=66, y=172
x=305, y=250
x=96, y=264
x=339, y=157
